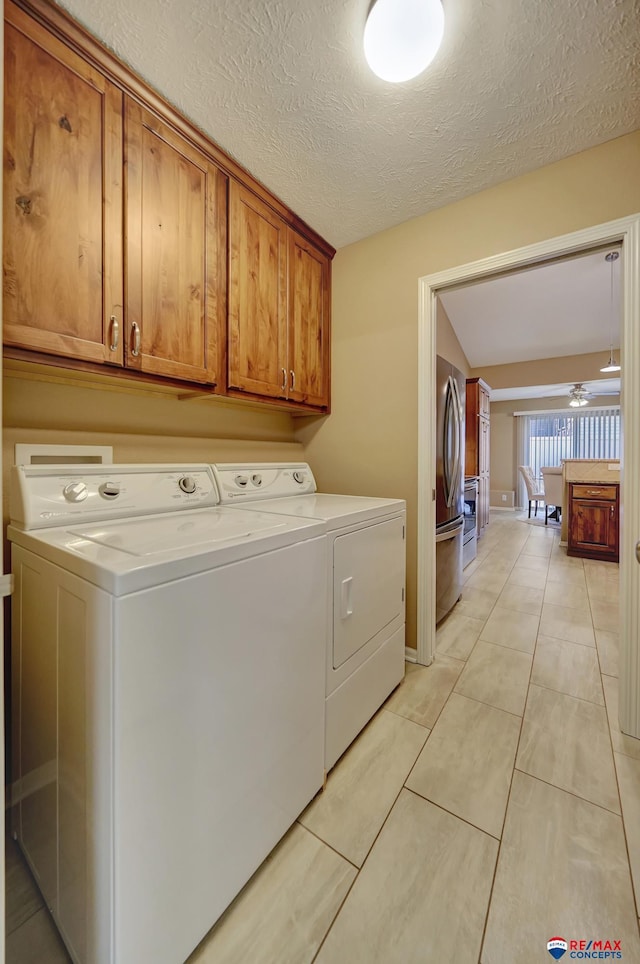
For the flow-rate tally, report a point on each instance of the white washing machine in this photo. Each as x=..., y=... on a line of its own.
x=168, y=662
x=366, y=575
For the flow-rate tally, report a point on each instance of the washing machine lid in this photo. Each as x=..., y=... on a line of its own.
x=336, y=511
x=139, y=553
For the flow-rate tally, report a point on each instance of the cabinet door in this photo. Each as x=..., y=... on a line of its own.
x=484, y=471
x=62, y=199
x=593, y=526
x=257, y=296
x=308, y=329
x=175, y=270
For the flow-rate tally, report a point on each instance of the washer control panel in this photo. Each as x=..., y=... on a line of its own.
x=265, y=480
x=50, y=495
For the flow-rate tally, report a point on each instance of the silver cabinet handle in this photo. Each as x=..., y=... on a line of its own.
x=293, y=380
x=638, y=551
x=283, y=387
x=135, y=331
x=115, y=333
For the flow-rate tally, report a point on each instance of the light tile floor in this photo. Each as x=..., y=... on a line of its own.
x=480, y=813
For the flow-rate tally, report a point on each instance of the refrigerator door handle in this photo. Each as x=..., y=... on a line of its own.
x=449, y=457
x=457, y=485
x=450, y=533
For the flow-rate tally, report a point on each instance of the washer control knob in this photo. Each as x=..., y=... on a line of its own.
x=188, y=484
x=109, y=490
x=298, y=477
x=241, y=480
x=256, y=479
x=75, y=492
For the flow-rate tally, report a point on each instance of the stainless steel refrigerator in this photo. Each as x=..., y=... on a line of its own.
x=450, y=411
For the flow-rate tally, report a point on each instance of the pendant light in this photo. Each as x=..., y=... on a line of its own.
x=401, y=37
x=612, y=365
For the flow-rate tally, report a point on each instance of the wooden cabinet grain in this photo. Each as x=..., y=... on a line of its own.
x=175, y=253
x=478, y=444
x=278, y=306
x=593, y=522
x=257, y=296
x=62, y=217
x=132, y=241
x=308, y=322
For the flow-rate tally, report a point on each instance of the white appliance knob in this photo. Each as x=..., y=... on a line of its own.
x=241, y=480
x=109, y=490
x=75, y=492
x=256, y=479
x=298, y=477
x=188, y=484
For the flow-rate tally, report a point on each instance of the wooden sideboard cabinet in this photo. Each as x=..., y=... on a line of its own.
x=477, y=444
x=593, y=523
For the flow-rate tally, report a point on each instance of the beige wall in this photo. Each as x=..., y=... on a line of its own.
x=545, y=371
x=447, y=344
x=369, y=443
x=141, y=426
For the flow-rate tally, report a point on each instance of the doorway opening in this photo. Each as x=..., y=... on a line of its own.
x=624, y=233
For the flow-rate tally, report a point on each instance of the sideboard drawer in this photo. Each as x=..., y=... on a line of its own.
x=594, y=491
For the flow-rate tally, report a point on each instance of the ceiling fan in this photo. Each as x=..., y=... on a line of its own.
x=579, y=395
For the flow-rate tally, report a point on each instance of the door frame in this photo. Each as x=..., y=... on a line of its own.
x=623, y=231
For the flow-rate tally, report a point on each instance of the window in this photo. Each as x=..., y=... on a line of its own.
x=546, y=439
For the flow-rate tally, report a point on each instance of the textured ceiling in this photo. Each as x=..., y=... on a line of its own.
x=282, y=85
x=553, y=309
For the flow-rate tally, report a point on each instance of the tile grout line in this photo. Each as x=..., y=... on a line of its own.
x=384, y=823
x=506, y=809
x=636, y=897
x=330, y=846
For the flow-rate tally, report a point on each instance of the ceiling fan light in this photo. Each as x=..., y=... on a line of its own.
x=401, y=37
x=574, y=402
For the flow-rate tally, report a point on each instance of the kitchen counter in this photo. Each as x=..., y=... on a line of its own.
x=603, y=471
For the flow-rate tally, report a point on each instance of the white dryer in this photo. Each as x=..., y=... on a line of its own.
x=168, y=660
x=366, y=570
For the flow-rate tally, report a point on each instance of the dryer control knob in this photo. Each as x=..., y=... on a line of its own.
x=256, y=479
x=75, y=492
x=241, y=480
x=298, y=477
x=188, y=484
x=109, y=490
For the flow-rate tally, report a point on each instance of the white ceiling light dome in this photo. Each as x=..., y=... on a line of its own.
x=401, y=37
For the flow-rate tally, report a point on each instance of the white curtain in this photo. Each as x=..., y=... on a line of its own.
x=546, y=438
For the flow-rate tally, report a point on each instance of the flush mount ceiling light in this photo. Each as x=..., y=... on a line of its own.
x=401, y=37
x=612, y=365
x=578, y=396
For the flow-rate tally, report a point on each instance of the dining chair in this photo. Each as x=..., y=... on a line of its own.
x=534, y=492
x=553, y=488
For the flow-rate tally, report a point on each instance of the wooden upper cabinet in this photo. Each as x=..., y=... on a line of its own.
x=257, y=296
x=308, y=327
x=132, y=240
x=62, y=198
x=175, y=253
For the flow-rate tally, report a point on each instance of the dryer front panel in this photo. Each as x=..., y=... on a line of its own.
x=368, y=585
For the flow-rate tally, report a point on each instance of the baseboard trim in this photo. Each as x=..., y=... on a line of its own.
x=410, y=655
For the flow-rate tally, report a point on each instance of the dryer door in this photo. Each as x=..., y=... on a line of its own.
x=368, y=585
